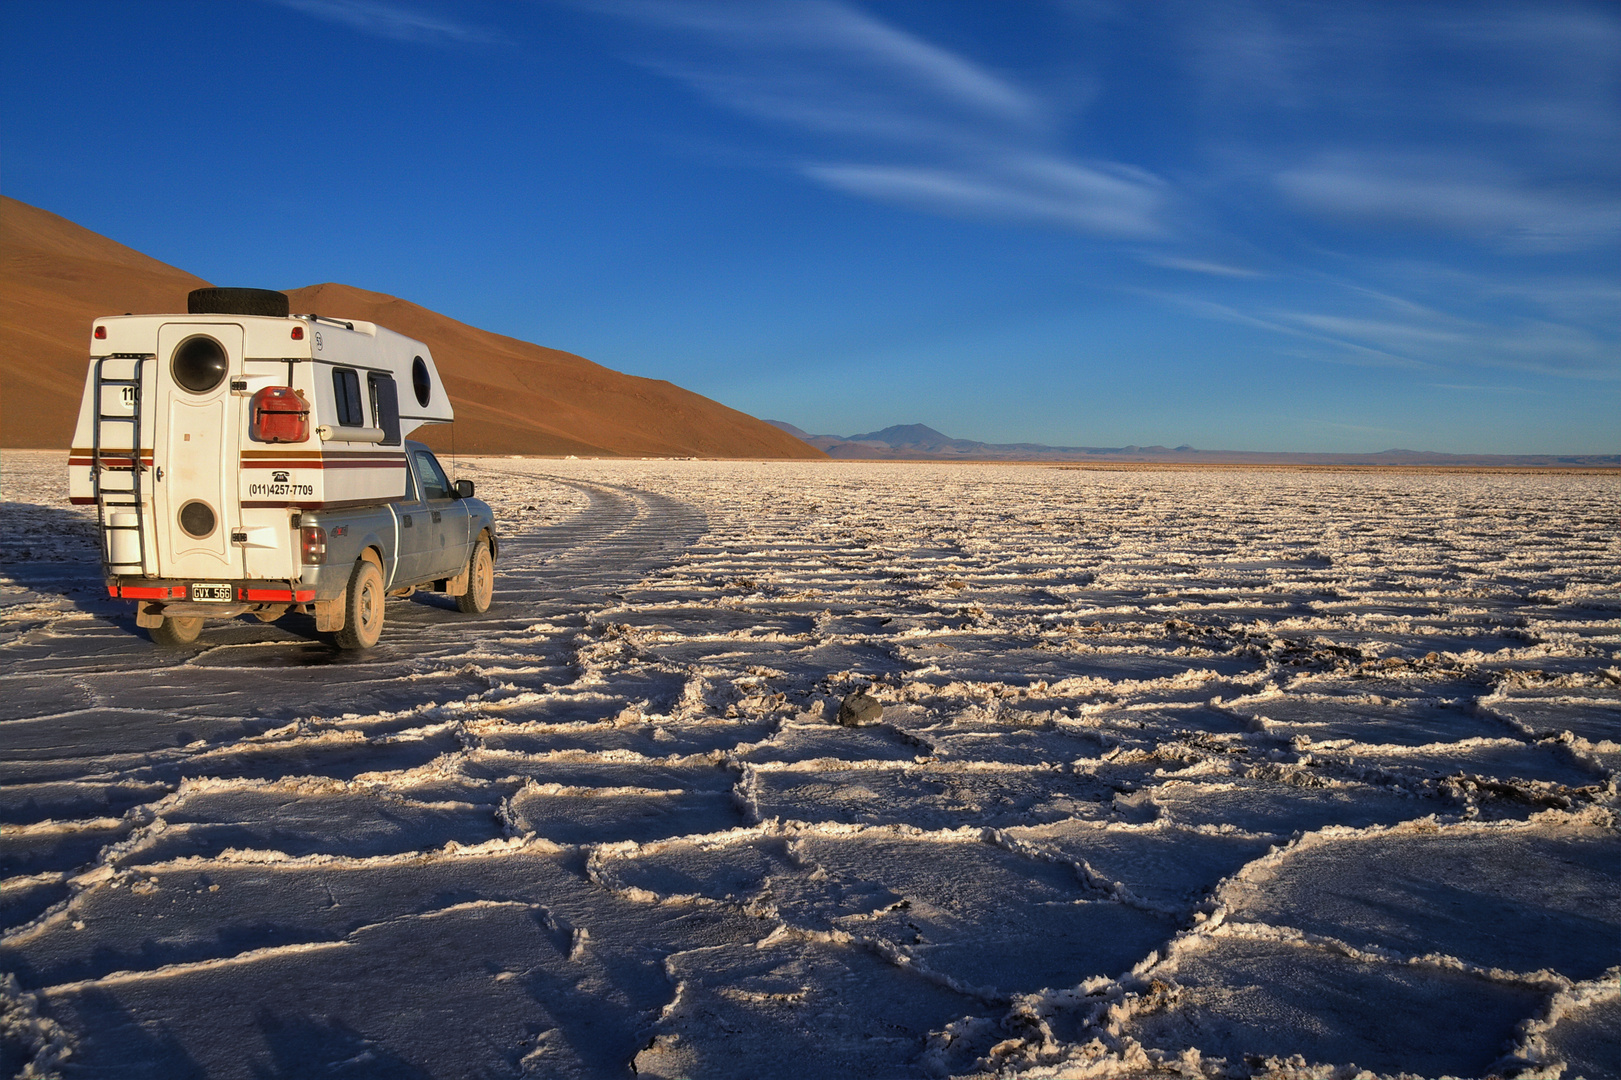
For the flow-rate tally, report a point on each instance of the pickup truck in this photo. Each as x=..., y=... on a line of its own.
x=243, y=459
x=439, y=537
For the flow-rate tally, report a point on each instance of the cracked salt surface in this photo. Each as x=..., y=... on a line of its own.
x=1194, y=773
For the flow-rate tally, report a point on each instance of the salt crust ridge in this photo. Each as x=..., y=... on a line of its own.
x=1251, y=650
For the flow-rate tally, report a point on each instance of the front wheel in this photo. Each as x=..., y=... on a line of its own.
x=480, y=581
x=363, y=607
x=177, y=630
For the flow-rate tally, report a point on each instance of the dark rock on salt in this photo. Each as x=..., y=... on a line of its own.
x=860, y=708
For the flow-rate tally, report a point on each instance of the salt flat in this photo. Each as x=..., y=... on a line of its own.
x=1223, y=772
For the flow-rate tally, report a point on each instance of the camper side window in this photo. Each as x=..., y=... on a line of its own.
x=385, y=407
x=346, y=391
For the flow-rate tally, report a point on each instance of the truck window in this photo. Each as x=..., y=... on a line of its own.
x=434, y=484
x=346, y=390
x=385, y=406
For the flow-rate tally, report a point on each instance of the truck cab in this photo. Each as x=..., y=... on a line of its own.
x=437, y=537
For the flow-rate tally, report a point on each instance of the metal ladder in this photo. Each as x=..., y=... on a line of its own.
x=110, y=462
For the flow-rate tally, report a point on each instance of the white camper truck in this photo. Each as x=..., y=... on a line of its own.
x=242, y=459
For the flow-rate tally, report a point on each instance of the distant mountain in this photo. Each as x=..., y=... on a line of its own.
x=511, y=397
x=919, y=435
x=783, y=425
x=919, y=442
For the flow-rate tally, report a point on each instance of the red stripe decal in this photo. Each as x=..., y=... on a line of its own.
x=310, y=463
x=138, y=592
x=271, y=504
x=260, y=595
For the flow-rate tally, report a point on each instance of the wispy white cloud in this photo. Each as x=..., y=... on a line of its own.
x=1475, y=389
x=909, y=122
x=1493, y=338
x=1461, y=195
x=1388, y=333
x=879, y=113
x=393, y=21
x=1442, y=340
x=1582, y=299
x=820, y=54
x=1105, y=200
x=1417, y=337
x=1341, y=350
x=1553, y=70
x=1240, y=50
x=1198, y=266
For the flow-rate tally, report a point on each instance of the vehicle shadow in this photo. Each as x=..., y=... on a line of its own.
x=52, y=553
x=55, y=553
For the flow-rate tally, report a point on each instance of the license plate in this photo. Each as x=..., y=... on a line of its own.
x=212, y=593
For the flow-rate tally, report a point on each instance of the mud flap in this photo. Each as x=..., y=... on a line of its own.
x=329, y=614
x=149, y=616
x=454, y=586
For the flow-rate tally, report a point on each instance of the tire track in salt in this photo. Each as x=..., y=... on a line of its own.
x=623, y=535
x=279, y=672
x=212, y=712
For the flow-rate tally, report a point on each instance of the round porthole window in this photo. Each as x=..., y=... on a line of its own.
x=199, y=364
x=420, y=381
x=197, y=519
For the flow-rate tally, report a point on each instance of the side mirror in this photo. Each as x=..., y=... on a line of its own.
x=464, y=489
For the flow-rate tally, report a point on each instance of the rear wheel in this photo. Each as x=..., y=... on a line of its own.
x=480, y=581
x=177, y=630
x=363, y=607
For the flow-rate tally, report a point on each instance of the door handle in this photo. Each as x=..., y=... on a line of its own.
x=405, y=520
x=436, y=516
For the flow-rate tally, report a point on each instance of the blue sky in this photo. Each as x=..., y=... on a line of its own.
x=1286, y=226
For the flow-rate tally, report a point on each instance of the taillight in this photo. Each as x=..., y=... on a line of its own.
x=312, y=545
x=101, y=333
x=298, y=333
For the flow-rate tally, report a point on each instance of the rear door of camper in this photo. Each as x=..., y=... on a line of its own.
x=194, y=493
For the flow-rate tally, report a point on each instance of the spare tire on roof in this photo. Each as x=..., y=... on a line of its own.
x=237, y=302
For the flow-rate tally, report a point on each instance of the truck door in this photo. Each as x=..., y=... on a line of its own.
x=195, y=459
x=415, y=536
x=447, y=519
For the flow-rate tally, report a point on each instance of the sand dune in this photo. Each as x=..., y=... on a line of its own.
x=511, y=397
x=54, y=278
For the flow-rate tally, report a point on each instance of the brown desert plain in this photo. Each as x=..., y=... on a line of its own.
x=511, y=396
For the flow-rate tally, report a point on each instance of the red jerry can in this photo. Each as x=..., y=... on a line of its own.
x=279, y=414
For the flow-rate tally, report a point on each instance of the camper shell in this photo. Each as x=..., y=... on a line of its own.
x=236, y=460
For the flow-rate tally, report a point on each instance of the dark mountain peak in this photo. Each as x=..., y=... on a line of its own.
x=906, y=435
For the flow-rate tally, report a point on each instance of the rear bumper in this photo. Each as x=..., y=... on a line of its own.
x=170, y=591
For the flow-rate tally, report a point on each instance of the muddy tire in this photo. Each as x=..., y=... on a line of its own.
x=363, y=607
x=480, y=581
x=175, y=631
